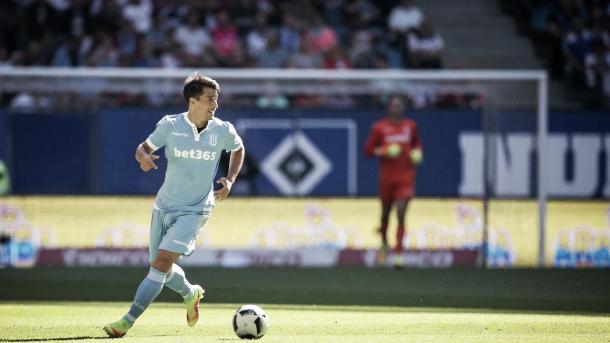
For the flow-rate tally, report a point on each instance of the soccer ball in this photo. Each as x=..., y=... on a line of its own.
x=250, y=322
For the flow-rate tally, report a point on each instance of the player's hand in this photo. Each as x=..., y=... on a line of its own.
x=223, y=193
x=392, y=150
x=147, y=162
x=416, y=156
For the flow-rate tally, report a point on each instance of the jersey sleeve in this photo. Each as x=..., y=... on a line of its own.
x=158, y=138
x=416, y=142
x=374, y=140
x=232, y=141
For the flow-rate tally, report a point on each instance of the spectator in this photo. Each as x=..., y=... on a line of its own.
x=244, y=15
x=363, y=14
x=72, y=52
x=307, y=57
x=127, y=39
x=193, y=38
x=597, y=69
x=577, y=44
x=23, y=102
x=361, y=51
x=405, y=17
x=142, y=56
x=173, y=12
x=256, y=39
x=168, y=57
x=289, y=35
x=224, y=36
x=157, y=36
x=337, y=59
x=272, y=98
x=105, y=54
x=426, y=47
x=239, y=58
x=562, y=13
x=76, y=19
x=273, y=56
x=323, y=37
x=139, y=13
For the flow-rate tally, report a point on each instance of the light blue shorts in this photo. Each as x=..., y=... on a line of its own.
x=175, y=231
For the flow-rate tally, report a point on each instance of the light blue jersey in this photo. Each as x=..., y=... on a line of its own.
x=192, y=161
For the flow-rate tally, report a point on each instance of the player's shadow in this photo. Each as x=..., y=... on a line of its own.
x=78, y=338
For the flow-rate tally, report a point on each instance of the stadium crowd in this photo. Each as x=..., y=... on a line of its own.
x=216, y=33
x=331, y=34
x=573, y=38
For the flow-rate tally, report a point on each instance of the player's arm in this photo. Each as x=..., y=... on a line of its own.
x=373, y=145
x=236, y=160
x=144, y=156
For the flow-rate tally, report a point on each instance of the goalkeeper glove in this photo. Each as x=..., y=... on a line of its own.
x=391, y=150
x=416, y=156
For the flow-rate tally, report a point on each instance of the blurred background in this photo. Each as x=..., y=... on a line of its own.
x=83, y=82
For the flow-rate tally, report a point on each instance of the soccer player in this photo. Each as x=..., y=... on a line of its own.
x=193, y=142
x=395, y=141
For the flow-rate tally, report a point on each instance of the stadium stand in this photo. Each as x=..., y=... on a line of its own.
x=570, y=38
x=154, y=33
x=359, y=34
x=573, y=40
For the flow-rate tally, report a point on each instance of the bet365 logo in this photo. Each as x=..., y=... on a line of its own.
x=195, y=154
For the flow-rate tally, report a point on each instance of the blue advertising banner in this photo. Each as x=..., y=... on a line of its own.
x=120, y=133
x=51, y=153
x=317, y=152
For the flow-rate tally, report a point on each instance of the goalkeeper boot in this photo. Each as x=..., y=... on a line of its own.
x=399, y=261
x=117, y=329
x=382, y=254
x=192, y=305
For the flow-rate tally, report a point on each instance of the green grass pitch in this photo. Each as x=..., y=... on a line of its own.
x=165, y=322
x=317, y=305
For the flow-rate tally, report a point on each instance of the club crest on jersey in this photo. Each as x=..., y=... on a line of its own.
x=213, y=140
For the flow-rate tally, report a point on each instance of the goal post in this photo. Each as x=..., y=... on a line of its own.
x=236, y=82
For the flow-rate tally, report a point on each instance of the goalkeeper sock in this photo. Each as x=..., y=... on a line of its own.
x=147, y=292
x=400, y=234
x=383, y=230
x=177, y=282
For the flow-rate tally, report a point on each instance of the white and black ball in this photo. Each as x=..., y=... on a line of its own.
x=250, y=322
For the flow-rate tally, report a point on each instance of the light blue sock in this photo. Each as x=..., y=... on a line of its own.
x=147, y=292
x=177, y=282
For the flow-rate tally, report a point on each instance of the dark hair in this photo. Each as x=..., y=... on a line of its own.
x=399, y=96
x=195, y=84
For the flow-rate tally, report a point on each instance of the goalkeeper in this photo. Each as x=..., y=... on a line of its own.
x=395, y=140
